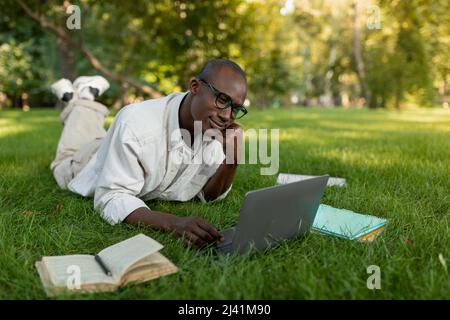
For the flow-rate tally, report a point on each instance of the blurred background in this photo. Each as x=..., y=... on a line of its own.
x=347, y=53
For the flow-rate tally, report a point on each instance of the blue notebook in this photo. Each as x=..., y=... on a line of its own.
x=347, y=224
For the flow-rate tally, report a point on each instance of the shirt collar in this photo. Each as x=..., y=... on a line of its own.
x=173, y=125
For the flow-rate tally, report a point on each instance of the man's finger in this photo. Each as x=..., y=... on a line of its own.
x=193, y=239
x=210, y=229
x=202, y=234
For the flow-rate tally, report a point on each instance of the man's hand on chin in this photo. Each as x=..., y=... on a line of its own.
x=232, y=143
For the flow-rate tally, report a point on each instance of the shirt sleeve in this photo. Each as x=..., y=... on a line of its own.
x=201, y=195
x=122, y=177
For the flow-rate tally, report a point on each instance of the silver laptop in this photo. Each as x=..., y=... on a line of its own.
x=272, y=214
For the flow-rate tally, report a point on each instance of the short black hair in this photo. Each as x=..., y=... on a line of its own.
x=214, y=65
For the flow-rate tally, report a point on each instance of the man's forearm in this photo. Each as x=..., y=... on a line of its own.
x=156, y=219
x=194, y=230
x=220, y=181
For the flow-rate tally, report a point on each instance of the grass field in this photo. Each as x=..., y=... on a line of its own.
x=397, y=166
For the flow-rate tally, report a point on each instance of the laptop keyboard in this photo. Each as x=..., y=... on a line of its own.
x=226, y=245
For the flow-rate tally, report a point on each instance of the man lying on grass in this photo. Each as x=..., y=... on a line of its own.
x=171, y=148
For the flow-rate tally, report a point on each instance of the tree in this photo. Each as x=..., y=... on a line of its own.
x=360, y=65
x=66, y=40
x=316, y=51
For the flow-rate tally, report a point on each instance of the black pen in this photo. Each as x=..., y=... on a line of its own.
x=102, y=264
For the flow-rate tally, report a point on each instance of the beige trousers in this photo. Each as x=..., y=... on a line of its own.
x=83, y=132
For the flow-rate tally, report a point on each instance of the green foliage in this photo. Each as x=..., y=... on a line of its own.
x=405, y=57
x=307, y=51
x=27, y=60
x=16, y=73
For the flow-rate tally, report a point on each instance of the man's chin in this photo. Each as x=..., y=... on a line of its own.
x=214, y=125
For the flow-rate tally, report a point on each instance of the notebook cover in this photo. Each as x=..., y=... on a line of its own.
x=345, y=223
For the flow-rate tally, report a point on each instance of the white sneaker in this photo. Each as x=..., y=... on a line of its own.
x=90, y=87
x=64, y=90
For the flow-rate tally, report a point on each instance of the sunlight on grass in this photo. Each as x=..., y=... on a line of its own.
x=11, y=127
x=396, y=166
x=300, y=136
x=421, y=115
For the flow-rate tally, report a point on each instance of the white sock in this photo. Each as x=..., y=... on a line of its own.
x=86, y=94
x=63, y=87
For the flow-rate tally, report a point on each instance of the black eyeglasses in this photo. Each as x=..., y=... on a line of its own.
x=224, y=101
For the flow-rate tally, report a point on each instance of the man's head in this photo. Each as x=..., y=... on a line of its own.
x=218, y=81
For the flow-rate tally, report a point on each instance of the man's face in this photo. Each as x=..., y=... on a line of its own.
x=203, y=106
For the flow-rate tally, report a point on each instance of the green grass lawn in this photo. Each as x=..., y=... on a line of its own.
x=397, y=166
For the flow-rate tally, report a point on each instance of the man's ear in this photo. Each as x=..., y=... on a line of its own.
x=194, y=86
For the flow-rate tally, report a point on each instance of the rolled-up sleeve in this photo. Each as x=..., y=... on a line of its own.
x=121, y=178
x=201, y=196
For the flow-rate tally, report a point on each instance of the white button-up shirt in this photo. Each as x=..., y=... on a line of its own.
x=142, y=157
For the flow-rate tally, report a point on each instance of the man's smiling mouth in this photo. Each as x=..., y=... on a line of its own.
x=216, y=125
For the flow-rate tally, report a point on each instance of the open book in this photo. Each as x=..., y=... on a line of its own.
x=285, y=178
x=133, y=260
x=347, y=224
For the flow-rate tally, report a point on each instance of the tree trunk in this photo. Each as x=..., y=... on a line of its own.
x=122, y=100
x=66, y=59
x=360, y=67
x=443, y=93
x=65, y=51
x=24, y=102
x=328, y=94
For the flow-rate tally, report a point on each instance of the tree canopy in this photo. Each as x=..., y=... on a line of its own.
x=318, y=52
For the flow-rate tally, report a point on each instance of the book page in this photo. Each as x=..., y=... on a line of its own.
x=45, y=279
x=151, y=267
x=63, y=271
x=119, y=257
x=371, y=236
